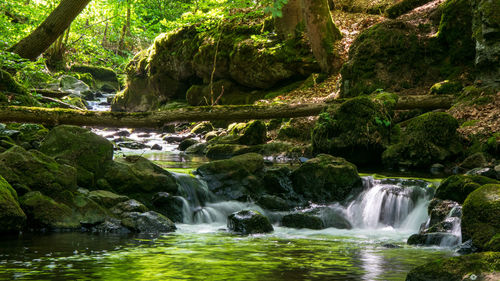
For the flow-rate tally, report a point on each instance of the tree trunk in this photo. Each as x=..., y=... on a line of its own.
x=322, y=34
x=292, y=16
x=156, y=119
x=49, y=30
x=126, y=27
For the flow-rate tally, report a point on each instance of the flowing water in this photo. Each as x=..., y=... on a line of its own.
x=383, y=216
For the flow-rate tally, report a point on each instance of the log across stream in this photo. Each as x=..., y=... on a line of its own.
x=156, y=119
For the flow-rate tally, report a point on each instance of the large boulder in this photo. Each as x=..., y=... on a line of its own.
x=458, y=187
x=427, y=139
x=12, y=217
x=246, y=61
x=480, y=266
x=480, y=222
x=33, y=170
x=486, y=30
x=248, y=222
x=81, y=148
x=359, y=130
x=401, y=56
x=325, y=179
x=235, y=178
x=138, y=177
x=71, y=211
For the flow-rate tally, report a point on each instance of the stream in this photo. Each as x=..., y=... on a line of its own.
x=383, y=216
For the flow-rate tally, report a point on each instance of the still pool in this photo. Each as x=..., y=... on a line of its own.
x=207, y=252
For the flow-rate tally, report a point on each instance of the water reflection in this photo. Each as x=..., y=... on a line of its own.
x=203, y=252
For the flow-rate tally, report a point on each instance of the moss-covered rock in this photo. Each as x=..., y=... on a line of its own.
x=186, y=57
x=255, y=132
x=33, y=170
x=202, y=128
x=325, y=179
x=480, y=222
x=106, y=198
x=249, y=222
x=80, y=148
x=446, y=87
x=359, y=130
x=102, y=75
x=485, y=30
x=138, y=177
x=427, y=139
x=12, y=93
x=458, y=187
x=26, y=135
x=476, y=160
x=399, y=56
x=12, y=217
x=481, y=266
x=403, y=6
x=223, y=151
x=234, y=178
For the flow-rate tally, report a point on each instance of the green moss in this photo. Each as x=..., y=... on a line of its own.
x=43, y=211
x=325, y=178
x=446, y=87
x=97, y=72
x=13, y=93
x=402, y=7
x=359, y=130
x=457, y=268
x=458, y=187
x=427, y=139
x=12, y=218
x=481, y=211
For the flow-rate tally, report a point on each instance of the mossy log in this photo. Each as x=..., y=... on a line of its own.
x=156, y=119
x=51, y=93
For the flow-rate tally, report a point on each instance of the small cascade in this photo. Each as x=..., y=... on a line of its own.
x=452, y=223
x=389, y=204
x=199, y=205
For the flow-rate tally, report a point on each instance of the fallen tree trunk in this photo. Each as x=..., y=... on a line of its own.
x=157, y=119
x=51, y=93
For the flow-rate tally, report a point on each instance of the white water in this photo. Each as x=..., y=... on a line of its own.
x=382, y=212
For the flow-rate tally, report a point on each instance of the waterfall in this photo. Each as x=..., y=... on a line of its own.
x=391, y=204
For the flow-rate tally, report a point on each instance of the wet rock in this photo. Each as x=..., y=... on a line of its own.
x=168, y=205
x=122, y=133
x=480, y=222
x=224, y=151
x=133, y=145
x=148, y=222
x=248, y=222
x=110, y=225
x=435, y=238
x=467, y=248
x=156, y=147
x=301, y=220
x=485, y=172
x=185, y=144
x=437, y=169
x=458, y=187
x=12, y=217
x=325, y=179
x=197, y=149
x=106, y=198
x=273, y=203
x=480, y=266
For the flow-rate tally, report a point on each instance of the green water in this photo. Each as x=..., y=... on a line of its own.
x=204, y=252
